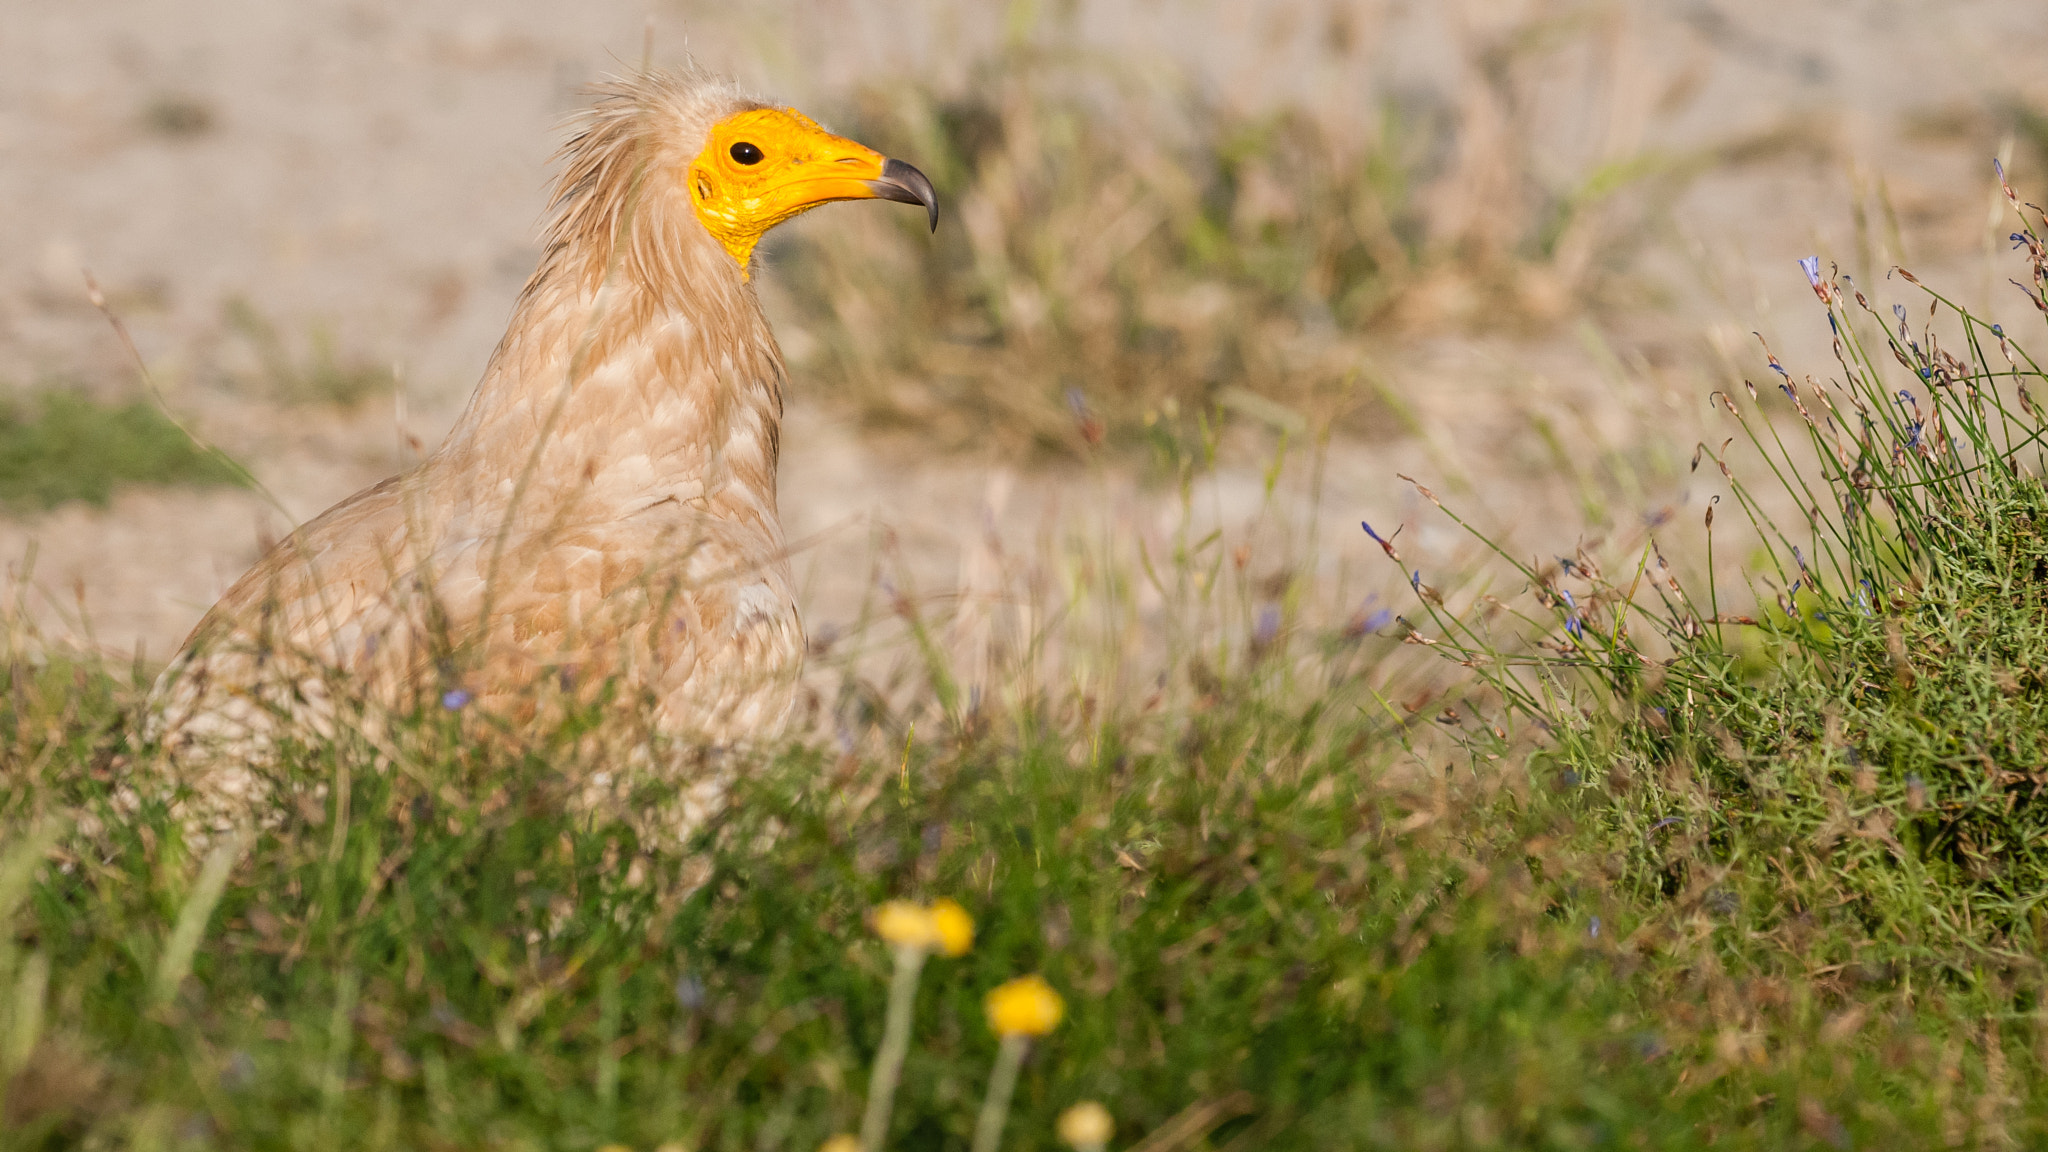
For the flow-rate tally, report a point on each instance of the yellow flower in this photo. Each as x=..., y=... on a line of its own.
x=844, y=1142
x=1026, y=1006
x=1086, y=1125
x=952, y=927
x=905, y=925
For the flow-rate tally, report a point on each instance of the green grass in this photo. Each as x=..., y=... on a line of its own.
x=1247, y=907
x=1838, y=791
x=62, y=446
x=1876, y=729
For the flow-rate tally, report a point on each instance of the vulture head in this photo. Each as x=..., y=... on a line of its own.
x=762, y=166
x=665, y=160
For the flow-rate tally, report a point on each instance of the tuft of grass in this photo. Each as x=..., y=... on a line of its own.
x=62, y=446
x=179, y=116
x=1851, y=770
x=1122, y=253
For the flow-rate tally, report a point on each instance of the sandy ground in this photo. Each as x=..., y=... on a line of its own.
x=369, y=174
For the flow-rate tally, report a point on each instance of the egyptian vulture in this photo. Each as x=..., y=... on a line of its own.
x=604, y=510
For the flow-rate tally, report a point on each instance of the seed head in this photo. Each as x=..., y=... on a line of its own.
x=1086, y=1125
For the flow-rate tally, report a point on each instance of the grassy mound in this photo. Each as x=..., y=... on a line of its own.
x=1855, y=771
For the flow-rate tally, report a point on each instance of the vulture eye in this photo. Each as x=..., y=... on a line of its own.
x=746, y=153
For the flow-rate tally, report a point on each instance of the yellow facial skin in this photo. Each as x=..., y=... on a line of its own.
x=765, y=165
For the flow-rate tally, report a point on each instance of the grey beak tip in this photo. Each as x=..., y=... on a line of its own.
x=904, y=183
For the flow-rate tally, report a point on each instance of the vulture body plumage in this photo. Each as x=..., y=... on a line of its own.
x=604, y=510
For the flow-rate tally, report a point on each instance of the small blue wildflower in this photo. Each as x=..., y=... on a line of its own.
x=1927, y=373
x=1415, y=579
x=1386, y=543
x=1570, y=601
x=1998, y=166
x=455, y=699
x=1899, y=310
x=1268, y=625
x=1811, y=266
x=1786, y=388
x=1998, y=330
x=1913, y=434
x=1799, y=557
x=1779, y=368
x=1666, y=822
x=1378, y=620
x=2019, y=239
x=1832, y=326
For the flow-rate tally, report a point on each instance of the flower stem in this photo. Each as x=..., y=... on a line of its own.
x=995, y=1108
x=874, y=1127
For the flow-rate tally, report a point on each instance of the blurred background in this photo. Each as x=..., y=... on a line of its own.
x=1289, y=248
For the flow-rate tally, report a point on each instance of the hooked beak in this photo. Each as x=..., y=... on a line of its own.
x=906, y=185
